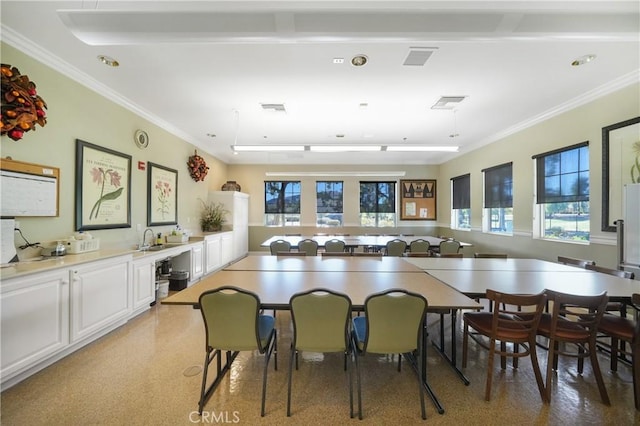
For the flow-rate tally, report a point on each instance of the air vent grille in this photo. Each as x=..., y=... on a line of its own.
x=274, y=107
x=418, y=56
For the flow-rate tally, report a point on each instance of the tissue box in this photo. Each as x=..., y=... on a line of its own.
x=182, y=238
x=82, y=246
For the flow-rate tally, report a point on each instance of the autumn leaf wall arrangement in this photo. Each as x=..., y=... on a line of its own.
x=22, y=108
x=198, y=168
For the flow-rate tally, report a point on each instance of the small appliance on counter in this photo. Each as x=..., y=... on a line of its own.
x=54, y=250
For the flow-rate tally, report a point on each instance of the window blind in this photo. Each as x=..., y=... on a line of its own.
x=282, y=197
x=562, y=176
x=377, y=197
x=461, y=189
x=498, y=186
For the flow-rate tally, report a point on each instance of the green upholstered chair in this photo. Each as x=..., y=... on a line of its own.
x=449, y=247
x=279, y=246
x=321, y=323
x=392, y=324
x=395, y=248
x=334, y=246
x=309, y=246
x=504, y=325
x=233, y=323
x=419, y=246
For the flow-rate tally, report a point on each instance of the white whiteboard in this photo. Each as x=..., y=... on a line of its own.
x=25, y=194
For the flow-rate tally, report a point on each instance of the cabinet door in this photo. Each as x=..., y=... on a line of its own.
x=35, y=319
x=212, y=253
x=227, y=252
x=144, y=283
x=99, y=296
x=197, y=262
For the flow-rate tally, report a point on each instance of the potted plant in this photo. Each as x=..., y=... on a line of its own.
x=212, y=216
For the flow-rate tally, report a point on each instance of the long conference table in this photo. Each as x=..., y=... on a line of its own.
x=276, y=278
x=353, y=241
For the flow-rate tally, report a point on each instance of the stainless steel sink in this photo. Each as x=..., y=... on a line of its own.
x=157, y=247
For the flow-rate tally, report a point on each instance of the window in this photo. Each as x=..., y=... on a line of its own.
x=282, y=203
x=562, y=193
x=461, y=202
x=498, y=199
x=377, y=203
x=329, y=203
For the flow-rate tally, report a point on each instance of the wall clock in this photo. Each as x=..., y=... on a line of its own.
x=141, y=139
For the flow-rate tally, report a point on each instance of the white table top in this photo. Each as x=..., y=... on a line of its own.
x=530, y=282
x=319, y=263
x=357, y=240
x=275, y=288
x=471, y=264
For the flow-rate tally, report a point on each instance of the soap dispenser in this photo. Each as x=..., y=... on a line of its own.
x=159, y=239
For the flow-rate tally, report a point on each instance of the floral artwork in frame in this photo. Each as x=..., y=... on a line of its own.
x=103, y=188
x=620, y=166
x=162, y=195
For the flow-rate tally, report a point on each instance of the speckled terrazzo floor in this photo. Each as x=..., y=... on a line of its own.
x=142, y=374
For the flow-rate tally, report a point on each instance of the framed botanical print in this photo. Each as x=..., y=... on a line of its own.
x=162, y=195
x=103, y=187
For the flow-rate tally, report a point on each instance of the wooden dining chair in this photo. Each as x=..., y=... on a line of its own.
x=625, y=330
x=574, y=322
x=504, y=325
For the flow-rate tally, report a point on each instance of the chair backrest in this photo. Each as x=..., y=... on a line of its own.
x=395, y=247
x=308, y=246
x=279, y=246
x=231, y=319
x=334, y=246
x=507, y=314
x=449, y=246
x=586, y=311
x=490, y=256
x=321, y=320
x=419, y=246
x=615, y=272
x=575, y=262
x=394, y=321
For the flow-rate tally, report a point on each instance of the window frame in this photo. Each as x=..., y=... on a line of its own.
x=460, y=203
x=337, y=211
x=377, y=215
x=563, y=197
x=282, y=217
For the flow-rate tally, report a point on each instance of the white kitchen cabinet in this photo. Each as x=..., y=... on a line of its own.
x=212, y=253
x=35, y=319
x=227, y=248
x=100, y=296
x=197, y=262
x=143, y=283
x=237, y=203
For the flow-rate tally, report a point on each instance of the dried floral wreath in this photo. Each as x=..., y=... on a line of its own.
x=22, y=108
x=197, y=167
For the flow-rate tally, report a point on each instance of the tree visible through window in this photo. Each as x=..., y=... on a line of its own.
x=377, y=203
x=329, y=203
x=282, y=203
x=562, y=193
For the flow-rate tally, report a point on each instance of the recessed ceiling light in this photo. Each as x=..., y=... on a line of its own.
x=421, y=148
x=108, y=61
x=359, y=60
x=582, y=60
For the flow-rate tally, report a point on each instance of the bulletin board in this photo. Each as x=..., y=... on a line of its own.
x=29, y=189
x=418, y=199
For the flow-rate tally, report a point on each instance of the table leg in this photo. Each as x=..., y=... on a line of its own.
x=440, y=347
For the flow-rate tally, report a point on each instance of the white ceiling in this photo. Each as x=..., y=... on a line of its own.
x=205, y=67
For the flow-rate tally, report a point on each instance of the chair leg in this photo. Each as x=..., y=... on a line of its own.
x=204, y=382
x=487, y=389
x=595, y=366
x=581, y=359
x=270, y=349
x=350, y=380
x=399, y=362
x=635, y=370
x=551, y=357
x=293, y=353
x=465, y=344
x=503, y=359
x=359, y=382
x=614, y=354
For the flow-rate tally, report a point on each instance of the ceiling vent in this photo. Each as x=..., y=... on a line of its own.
x=274, y=107
x=448, y=102
x=418, y=56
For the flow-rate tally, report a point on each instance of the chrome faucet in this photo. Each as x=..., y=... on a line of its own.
x=144, y=245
